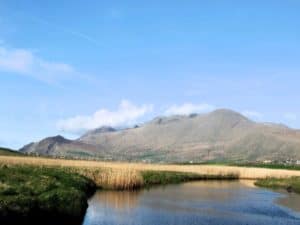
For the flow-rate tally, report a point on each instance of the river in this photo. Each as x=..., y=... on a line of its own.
x=201, y=203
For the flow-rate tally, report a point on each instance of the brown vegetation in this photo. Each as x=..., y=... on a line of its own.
x=102, y=172
x=115, y=179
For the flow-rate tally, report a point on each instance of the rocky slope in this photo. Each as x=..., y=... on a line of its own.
x=220, y=135
x=60, y=146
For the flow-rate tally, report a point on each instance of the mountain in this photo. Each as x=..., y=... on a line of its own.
x=220, y=135
x=60, y=146
x=104, y=129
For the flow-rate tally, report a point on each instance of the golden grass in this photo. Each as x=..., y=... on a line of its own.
x=119, y=175
x=116, y=179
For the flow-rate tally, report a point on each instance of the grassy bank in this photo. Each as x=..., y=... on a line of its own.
x=28, y=193
x=32, y=194
x=151, y=178
x=132, y=179
x=9, y=152
x=291, y=184
x=52, y=189
x=268, y=166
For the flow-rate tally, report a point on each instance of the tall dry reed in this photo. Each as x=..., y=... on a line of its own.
x=116, y=179
x=109, y=173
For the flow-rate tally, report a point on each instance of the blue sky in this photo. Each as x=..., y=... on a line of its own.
x=70, y=66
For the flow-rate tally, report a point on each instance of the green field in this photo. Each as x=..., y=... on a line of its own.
x=9, y=152
x=249, y=164
x=270, y=165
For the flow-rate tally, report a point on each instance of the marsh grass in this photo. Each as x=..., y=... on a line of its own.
x=53, y=187
x=222, y=170
x=126, y=176
x=30, y=191
x=53, y=192
x=166, y=177
x=113, y=179
x=291, y=184
x=268, y=165
x=129, y=176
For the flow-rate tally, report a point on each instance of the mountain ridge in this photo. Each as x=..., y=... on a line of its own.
x=219, y=135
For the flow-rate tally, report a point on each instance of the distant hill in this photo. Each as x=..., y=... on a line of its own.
x=221, y=135
x=6, y=151
x=60, y=146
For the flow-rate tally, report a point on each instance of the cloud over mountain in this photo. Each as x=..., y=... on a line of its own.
x=188, y=108
x=126, y=114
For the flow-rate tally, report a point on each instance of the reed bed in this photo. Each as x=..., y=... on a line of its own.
x=115, y=179
x=291, y=184
x=119, y=175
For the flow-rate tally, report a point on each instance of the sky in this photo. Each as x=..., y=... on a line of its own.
x=70, y=66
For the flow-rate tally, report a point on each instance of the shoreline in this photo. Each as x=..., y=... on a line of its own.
x=89, y=178
x=25, y=207
x=291, y=185
x=31, y=194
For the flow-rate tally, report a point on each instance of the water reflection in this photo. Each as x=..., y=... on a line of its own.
x=118, y=200
x=211, y=202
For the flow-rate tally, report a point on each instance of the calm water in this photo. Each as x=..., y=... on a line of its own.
x=201, y=203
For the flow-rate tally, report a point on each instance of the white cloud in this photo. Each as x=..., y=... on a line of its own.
x=290, y=116
x=126, y=114
x=253, y=114
x=25, y=62
x=189, y=108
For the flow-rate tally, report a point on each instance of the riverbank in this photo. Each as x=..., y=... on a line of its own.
x=291, y=184
x=152, y=178
x=198, y=202
x=39, y=188
x=30, y=194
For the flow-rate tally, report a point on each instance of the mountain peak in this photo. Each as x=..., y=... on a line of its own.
x=56, y=139
x=166, y=119
x=46, y=145
x=225, y=111
x=229, y=114
x=100, y=130
x=103, y=129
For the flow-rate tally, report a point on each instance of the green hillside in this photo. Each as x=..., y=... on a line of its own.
x=6, y=151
